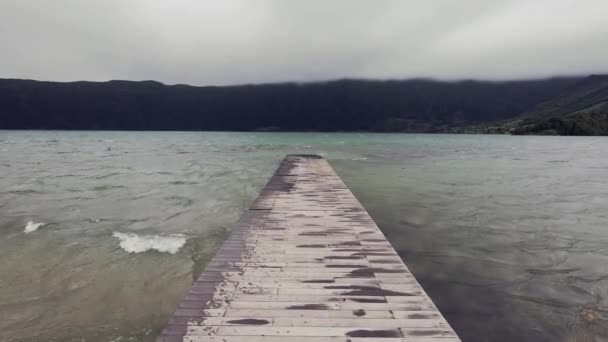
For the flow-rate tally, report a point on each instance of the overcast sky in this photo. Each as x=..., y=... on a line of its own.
x=252, y=41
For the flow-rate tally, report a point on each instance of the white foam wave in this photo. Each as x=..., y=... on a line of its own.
x=134, y=243
x=32, y=226
x=362, y=158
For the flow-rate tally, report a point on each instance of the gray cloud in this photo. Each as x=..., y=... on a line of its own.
x=252, y=41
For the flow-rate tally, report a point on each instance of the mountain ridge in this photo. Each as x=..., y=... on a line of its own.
x=416, y=105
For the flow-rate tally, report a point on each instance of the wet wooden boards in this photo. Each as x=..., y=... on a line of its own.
x=306, y=263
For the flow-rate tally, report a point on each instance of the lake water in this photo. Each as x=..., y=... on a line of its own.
x=101, y=233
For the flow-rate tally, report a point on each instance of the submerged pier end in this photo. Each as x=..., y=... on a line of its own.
x=307, y=263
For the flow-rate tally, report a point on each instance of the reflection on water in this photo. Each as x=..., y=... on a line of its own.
x=509, y=235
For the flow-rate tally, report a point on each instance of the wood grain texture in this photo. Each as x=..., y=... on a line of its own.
x=307, y=263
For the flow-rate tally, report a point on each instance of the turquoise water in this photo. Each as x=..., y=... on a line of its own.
x=509, y=235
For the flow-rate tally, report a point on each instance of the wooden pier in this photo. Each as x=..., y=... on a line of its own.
x=307, y=263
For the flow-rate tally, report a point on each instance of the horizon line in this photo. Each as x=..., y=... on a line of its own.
x=333, y=80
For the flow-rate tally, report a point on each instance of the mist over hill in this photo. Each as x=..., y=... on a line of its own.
x=417, y=105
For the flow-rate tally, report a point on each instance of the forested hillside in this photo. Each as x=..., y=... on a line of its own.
x=345, y=105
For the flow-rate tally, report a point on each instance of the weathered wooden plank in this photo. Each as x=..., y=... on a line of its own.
x=306, y=263
x=420, y=305
x=299, y=339
x=310, y=339
x=375, y=323
x=304, y=331
x=314, y=313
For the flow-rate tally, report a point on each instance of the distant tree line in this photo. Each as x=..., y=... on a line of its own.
x=417, y=105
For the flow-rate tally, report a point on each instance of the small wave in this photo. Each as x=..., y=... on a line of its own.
x=112, y=174
x=362, y=158
x=107, y=187
x=179, y=182
x=32, y=226
x=179, y=200
x=134, y=243
x=24, y=191
x=551, y=271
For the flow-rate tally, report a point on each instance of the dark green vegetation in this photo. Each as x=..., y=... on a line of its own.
x=581, y=109
x=346, y=105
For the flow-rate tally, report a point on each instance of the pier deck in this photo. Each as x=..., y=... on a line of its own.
x=307, y=263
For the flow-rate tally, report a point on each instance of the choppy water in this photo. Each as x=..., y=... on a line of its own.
x=101, y=233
